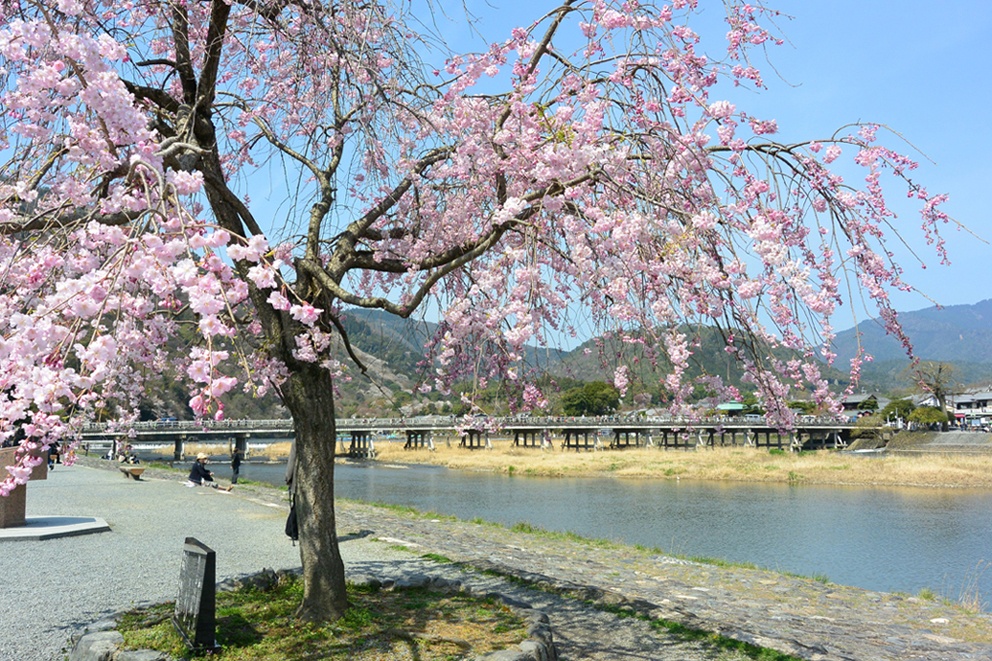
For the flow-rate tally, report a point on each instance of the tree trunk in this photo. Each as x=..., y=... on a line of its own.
x=309, y=396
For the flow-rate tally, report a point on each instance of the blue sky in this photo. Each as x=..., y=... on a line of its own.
x=924, y=69
x=920, y=67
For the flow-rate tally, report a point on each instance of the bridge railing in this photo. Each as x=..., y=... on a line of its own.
x=458, y=422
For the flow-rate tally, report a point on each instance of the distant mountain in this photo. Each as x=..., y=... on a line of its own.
x=397, y=345
x=401, y=342
x=392, y=349
x=952, y=334
x=958, y=334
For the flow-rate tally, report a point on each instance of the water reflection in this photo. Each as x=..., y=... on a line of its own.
x=880, y=538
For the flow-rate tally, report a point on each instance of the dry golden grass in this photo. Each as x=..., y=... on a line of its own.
x=734, y=464
x=738, y=464
x=272, y=451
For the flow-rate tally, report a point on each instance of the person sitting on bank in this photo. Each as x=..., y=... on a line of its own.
x=128, y=456
x=200, y=476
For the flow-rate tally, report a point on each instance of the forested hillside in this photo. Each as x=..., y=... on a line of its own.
x=957, y=334
x=392, y=350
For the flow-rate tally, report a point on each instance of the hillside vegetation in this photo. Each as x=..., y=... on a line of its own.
x=392, y=349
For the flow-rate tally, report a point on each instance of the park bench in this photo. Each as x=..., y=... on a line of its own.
x=133, y=472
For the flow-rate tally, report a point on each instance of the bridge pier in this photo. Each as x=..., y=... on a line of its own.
x=418, y=438
x=626, y=434
x=839, y=441
x=768, y=439
x=733, y=437
x=474, y=439
x=362, y=445
x=675, y=439
x=179, y=453
x=795, y=442
x=573, y=437
x=239, y=443
x=528, y=438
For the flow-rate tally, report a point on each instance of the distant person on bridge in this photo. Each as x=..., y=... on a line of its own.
x=200, y=476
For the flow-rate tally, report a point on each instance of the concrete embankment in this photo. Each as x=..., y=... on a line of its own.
x=949, y=442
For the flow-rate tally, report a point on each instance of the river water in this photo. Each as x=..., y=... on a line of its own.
x=893, y=539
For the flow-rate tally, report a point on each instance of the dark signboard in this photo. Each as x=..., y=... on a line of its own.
x=195, y=615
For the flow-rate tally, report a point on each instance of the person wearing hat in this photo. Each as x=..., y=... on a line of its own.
x=200, y=476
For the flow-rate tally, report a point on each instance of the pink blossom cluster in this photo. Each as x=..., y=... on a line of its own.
x=606, y=189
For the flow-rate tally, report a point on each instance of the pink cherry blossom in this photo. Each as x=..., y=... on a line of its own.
x=521, y=194
x=305, y=314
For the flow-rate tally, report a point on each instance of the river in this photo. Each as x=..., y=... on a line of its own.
x=892, y=539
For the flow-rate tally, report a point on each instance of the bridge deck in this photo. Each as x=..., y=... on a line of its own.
x=577, y=433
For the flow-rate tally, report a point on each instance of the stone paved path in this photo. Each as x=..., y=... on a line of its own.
x=803, y=617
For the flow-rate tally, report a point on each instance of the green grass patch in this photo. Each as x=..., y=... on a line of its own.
x=419, y=623
x=529, y=529
x=437, y=557
x=413, y=512
x=720, y=562
x=722, y=643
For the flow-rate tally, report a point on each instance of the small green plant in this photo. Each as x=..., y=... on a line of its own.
x=436, y=557
x=970, y=597
x=776, y=451
x=926, y=594
x=719, y=562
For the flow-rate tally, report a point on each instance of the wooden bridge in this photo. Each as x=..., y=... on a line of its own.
x=359, y=435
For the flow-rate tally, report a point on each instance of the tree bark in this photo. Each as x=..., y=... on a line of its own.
x=309, y=396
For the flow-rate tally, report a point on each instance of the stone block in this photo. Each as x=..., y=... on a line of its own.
x=9, y=455
x=12, y=508
x=141, y=655
x=98, y=646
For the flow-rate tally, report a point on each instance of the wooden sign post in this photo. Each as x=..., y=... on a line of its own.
x=196, y=616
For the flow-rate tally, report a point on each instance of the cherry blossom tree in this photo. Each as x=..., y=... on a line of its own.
x=592, y=164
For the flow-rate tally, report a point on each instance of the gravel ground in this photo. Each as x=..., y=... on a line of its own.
x=54, y=587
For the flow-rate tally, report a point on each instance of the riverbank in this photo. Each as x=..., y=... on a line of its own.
x=929, y=460
x=582, y=584
x=921, y=461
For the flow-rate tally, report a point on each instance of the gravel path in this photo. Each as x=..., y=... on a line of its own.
x=63, y=584
x=56, y=587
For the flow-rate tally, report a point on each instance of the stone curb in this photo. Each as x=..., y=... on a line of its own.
x=101, y=641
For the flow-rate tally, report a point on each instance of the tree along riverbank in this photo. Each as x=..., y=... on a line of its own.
x=908, y=459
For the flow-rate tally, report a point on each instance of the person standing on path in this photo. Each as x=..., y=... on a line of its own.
x=235, y=465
